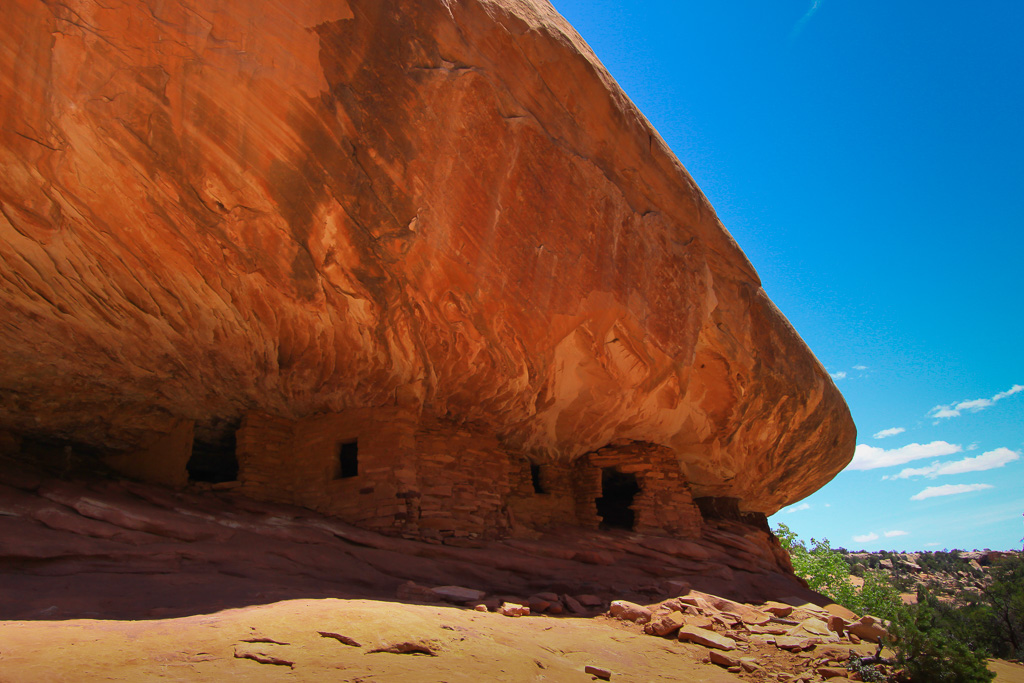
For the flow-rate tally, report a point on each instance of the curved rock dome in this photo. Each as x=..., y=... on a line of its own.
x=446, y=207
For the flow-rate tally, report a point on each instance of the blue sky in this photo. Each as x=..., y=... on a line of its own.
x=869, y=158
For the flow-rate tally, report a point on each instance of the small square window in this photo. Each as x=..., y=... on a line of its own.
x=348, y=460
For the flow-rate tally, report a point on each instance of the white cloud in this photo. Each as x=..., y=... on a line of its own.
x=862, y=368
x=894, y=533
x=838, y=375
x=867, y=457
x=931, y=545
x=798, y=508
x=943, y=411
x=908, y=472
x=1015, y=389
x=889, y=432
x=804, y=19
x=973, y=447
x=865, y=538
x=989, y=460
x=949, y=490
x=974, y=405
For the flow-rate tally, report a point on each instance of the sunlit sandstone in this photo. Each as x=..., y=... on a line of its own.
x=435, y=232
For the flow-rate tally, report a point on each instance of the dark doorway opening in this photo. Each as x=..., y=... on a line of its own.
x=348, y=460
x=214, y=462
x=618, y=489
x=538, y=485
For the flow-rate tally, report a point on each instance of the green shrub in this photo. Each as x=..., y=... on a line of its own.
x=933, y=642
x=926, y=653
x=1005, y=597
x=868, y=672
x=826, y=571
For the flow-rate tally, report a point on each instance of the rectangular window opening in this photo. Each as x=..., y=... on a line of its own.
x=348, y=460
x=538, y=485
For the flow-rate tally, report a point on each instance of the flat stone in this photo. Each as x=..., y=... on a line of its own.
x=699, y=621
x=827, y=672
x=812, y=626
x=706, y=638
x=722, y=659
x=457, y=594
x=793, y=643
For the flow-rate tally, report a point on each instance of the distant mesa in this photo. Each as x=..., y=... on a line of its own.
x=421, y=266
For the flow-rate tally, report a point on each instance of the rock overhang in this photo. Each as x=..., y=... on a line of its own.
x=449, y=207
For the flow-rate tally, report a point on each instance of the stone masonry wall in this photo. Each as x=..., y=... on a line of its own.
x=442, y=481
x=430, y=482
x=554, y=505
x=298, y=463
x=463, y=484
x=664, y=503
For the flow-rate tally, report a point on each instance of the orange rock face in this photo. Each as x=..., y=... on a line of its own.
x=306, y=207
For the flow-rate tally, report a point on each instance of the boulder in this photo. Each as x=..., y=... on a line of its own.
x=664, y=623
x=511, y=609
x=446, y=209
x=630, y=611
x=778, y=609
x=410, y=590
x=868, y=628
x=573, y=604
x=837, y=625
x=538, y=605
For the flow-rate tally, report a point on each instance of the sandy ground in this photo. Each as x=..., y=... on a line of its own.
x=392, y=642
x=466, y=646
x=1007, y=672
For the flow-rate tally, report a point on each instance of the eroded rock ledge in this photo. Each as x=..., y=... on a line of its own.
x=178, y=552
x=442, y=221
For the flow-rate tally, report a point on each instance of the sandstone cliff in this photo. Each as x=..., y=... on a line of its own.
x=446, y=206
